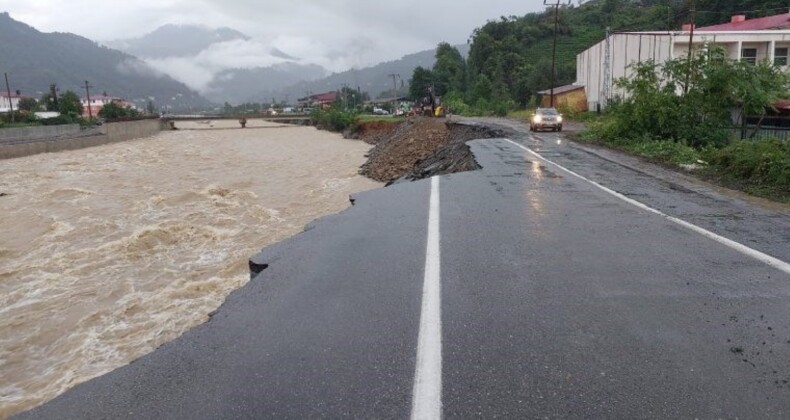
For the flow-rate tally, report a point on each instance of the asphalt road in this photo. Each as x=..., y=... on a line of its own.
x=557, y=299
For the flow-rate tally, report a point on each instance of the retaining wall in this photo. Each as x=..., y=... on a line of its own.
x=108, y=133
x=39, y=132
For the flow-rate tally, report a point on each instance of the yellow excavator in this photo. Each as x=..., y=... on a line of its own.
x=431, y=105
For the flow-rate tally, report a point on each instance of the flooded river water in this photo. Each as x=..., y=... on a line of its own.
x=108, y=252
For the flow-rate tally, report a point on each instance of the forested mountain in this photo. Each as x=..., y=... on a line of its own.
x=374, y=80
x=510, y=58
x=34, y=60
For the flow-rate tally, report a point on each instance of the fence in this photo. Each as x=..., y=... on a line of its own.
x=762, y=133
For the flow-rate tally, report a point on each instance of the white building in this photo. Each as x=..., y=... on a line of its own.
x=753, y=40
x=6, y=102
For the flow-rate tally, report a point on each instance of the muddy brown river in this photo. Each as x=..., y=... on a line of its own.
x=108, y=252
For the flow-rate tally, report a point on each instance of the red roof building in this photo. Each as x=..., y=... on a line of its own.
x=319, y=100
x=740, y=23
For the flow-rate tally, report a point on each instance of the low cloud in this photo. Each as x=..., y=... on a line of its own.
x=133, y=67
x=199, y=71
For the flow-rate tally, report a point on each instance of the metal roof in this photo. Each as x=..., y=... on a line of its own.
x=561, y=89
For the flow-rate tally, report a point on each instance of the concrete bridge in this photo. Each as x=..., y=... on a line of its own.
x=291, y=118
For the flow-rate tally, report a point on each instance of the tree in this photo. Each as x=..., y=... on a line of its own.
x=700, y=116
x=421, y=79
x=150, y=108
x=449, y=70
x=70, y=104
x=112, y=111
x=47, y=102
x=28, y=104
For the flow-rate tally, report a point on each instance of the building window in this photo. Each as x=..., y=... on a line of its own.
x=749, y=55
x=780, y=56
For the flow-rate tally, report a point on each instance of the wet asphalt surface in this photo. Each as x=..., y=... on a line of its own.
x=558, y=301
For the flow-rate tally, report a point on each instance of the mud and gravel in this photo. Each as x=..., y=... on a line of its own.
x=420, y=148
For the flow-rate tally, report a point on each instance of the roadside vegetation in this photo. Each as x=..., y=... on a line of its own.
x=679, y=113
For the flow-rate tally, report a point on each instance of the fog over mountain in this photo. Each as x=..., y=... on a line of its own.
x=176, y=41
x=222, y=64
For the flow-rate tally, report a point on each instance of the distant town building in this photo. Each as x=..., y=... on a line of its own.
x=750, y=40
x=97, y=102
x=321, y=100
x=9, y=102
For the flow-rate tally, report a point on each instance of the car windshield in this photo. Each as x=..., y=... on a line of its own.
x=548, y=111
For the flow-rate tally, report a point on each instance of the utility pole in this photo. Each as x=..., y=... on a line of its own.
x=344, y=95
x=394, y=89
x=607, y=69
x=10, y=103
x=53, y=88
x=88, y=95
x=693, y=13
x=556, y=5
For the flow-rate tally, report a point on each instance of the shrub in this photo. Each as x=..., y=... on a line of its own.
x=333, y=119
x=765, y=162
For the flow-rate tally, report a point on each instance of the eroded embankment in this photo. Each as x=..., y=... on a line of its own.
x=420, y=148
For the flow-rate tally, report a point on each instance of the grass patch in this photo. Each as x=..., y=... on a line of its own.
x=758, y=167
x=521, y=114
x=664, y=151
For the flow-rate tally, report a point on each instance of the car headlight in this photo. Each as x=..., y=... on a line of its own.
x=537, y=118
x=559, y=119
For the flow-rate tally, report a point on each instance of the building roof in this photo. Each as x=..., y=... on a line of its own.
x=782, y=104
x=561, y=89
x=325, y=97
x=97, y=97
x=13, y=95
x=770, y=22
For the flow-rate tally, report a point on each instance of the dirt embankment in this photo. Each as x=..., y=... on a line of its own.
x=420, y=148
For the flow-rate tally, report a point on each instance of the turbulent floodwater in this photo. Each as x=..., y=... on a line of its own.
x=108, y=252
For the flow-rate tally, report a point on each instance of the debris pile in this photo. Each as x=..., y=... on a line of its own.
x=422, y=147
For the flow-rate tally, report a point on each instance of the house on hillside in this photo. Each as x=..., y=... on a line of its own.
x=93, y=105
x=568, y=97
x=751, y=40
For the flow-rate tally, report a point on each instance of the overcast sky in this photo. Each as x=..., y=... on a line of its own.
x=337, y=34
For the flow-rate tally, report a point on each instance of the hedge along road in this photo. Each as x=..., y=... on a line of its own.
x=555, y=299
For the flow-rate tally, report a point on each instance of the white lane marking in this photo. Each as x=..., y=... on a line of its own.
x=427, y=393
x=765, y=258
